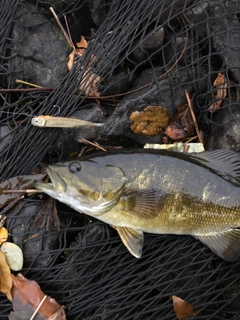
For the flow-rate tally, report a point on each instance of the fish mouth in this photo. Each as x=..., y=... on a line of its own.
x=57, y=183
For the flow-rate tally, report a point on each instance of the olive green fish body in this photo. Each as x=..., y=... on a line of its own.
x=156, y=191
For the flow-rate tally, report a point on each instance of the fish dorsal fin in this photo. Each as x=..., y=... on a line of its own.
x=114, y=182
x=225, y=244
x=225, y=163
x=132, y=239
x=143, y=203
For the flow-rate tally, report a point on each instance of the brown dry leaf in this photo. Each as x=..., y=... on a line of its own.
x=182, y=308
x=221, y=85
x=180, y=125
x=72, y=56
x=47, y=216
x=3, y=235
x=82, y=44
x=27, y=296
x=89, y=81
x=79, y=51
x=19, y=182
x=5, y=277
x=150, y=121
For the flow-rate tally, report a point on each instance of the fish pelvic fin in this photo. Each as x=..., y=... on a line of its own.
x=225, y=244
x=132, y=239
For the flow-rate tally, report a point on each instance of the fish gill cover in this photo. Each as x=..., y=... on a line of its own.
x=139, y=53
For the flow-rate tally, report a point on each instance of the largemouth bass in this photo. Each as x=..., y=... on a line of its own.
x=156, y=191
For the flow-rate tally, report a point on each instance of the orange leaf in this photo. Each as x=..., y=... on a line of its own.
x=221, y=86
x=83, y=44
x=3, y=235
x=27, y=295
x=182, y=308
x=79, y=51
x=5, y=277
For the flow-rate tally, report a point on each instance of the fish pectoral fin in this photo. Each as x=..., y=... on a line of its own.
x=132, y=239
x=143, y=203
x=225, y=244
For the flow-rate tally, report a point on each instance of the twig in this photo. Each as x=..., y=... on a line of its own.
x=190, y=105
x=31, y=237
x=82, y=140
x=39, y=306
x=61, y=27
x=59, y=311
x=27, y=89
x=69, y=34
x=190, y=139
x=11, y=204
x=28, y=83
x=22, y=191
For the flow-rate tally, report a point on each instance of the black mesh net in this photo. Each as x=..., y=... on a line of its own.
x=84, y=266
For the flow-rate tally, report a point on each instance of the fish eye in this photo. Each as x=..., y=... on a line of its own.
x=74, y=167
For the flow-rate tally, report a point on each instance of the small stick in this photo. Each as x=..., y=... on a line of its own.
x=61, y=27
x=69, y=34
x=39, y=306
x=32, y=237
x=190, y=139
x=11, y=204
x=59, y=311
x=22, y=191
x=190, y=105
x=28, y=83
x=27, y=89
x=82, y=140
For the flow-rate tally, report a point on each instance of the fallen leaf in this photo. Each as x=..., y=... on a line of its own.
x=19, y=182
x=13, y=254
x=150, y=121
x=221, y=85
x=5, y=277
x=89, y=80
x=77, y=52
x=89, y=83
x=180, y=125
x=27, y=297
x=82, y=44
x=47, y=216
x=3, y=235
x=182, y=308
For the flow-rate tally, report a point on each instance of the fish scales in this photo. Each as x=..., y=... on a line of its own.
x=156, y=191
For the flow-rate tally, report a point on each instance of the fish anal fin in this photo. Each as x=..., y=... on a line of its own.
x=132, y=239
x=143, y=203
x=225, y=244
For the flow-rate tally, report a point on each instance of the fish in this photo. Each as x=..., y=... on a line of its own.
x=61, y=122
x=155, y=191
